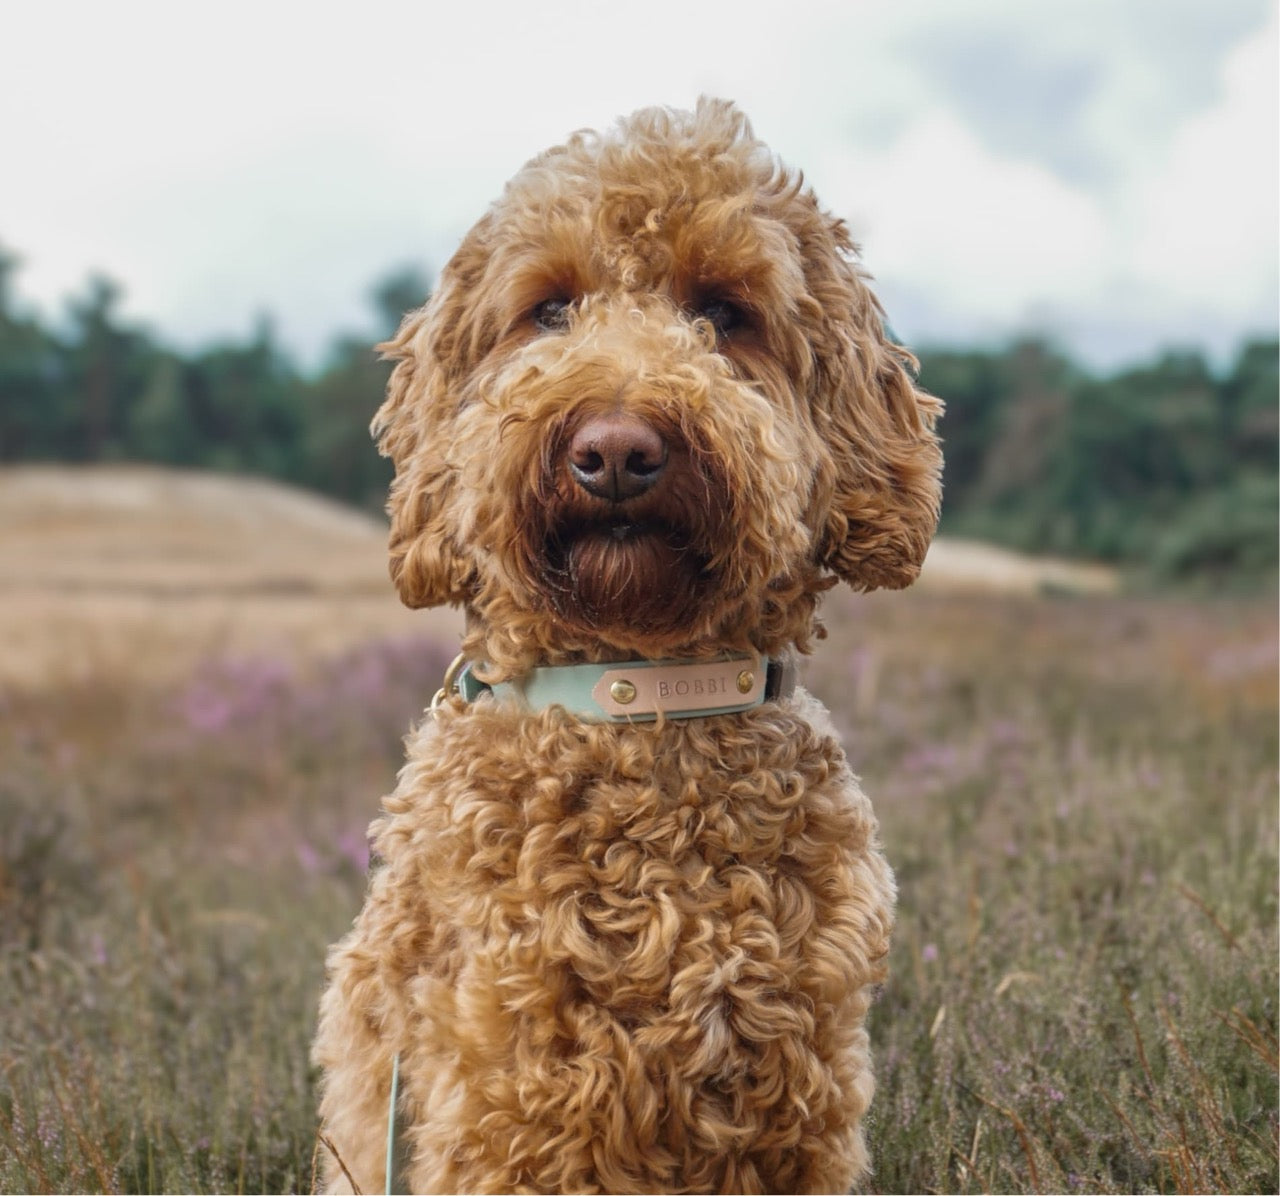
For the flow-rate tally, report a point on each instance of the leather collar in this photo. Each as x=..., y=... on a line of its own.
x=638, y=690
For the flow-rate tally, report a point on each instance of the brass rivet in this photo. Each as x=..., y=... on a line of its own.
x=624, y=693
x=746, y=679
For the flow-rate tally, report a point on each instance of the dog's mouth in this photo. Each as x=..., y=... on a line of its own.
x=629, y=531
x=626, y=530
x=636, y=563
x=615, y=570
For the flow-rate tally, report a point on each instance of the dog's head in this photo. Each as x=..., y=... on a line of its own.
x=652, y=407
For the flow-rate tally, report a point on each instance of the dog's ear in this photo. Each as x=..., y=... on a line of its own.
x=414, y=427
x=885, y=459
x=408, y=429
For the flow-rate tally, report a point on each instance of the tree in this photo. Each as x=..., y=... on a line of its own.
x=160, y=426
x=108, y=369
x=246, y=404
x=340, y=458
x=34, y=414
x=1251, y=396
x=399, y=292
x=976, y=391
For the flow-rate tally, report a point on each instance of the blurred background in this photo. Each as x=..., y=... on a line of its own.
x=1070, y=211
x=209, y=214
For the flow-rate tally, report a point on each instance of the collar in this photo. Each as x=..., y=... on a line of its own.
x=637, y=690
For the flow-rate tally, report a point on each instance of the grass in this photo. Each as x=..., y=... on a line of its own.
x=1081, y=808
x=1078, y=795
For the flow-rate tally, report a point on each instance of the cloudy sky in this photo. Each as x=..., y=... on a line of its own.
x=1104, y=171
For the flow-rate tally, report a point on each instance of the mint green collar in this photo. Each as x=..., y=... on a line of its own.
x=638, y=690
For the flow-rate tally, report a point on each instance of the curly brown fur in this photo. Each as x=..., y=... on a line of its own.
x=633, y=957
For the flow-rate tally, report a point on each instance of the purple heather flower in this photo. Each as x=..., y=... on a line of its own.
x=354, y=847
x=307, y=857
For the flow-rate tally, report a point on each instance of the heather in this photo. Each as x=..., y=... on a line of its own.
x=1078, y=796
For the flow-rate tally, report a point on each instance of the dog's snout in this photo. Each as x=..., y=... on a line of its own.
x=617, y=457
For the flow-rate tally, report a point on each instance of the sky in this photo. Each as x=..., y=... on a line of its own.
x=1103, y=172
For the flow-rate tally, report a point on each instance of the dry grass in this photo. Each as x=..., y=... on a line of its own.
x=1078, y=794
x=1079, y=798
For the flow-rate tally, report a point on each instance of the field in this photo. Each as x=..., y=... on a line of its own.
x=203, y=686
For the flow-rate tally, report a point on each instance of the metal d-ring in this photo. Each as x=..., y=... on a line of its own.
x=449, y=685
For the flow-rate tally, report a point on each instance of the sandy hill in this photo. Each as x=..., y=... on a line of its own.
x=969, y=565
x=146, y=569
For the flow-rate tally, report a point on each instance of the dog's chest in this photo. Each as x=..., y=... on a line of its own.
x=670, y=884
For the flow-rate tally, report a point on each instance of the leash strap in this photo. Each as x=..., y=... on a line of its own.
x=394, y=1184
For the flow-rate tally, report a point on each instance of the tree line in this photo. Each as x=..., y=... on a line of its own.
x=1166, y=466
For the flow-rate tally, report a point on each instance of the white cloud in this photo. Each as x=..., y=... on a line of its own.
x=1176, y=242
x=981, y=234
x=221, y=161
x=1203, y=224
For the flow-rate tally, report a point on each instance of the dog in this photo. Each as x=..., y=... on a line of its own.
x=632, y=906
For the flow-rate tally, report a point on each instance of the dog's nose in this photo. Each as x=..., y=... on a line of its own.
x=616, y=456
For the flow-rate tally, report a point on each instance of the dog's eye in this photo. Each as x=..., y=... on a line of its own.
x=552, y=315
x=723, y=315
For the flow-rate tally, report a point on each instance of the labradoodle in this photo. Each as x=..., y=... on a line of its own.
x=632, y=908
